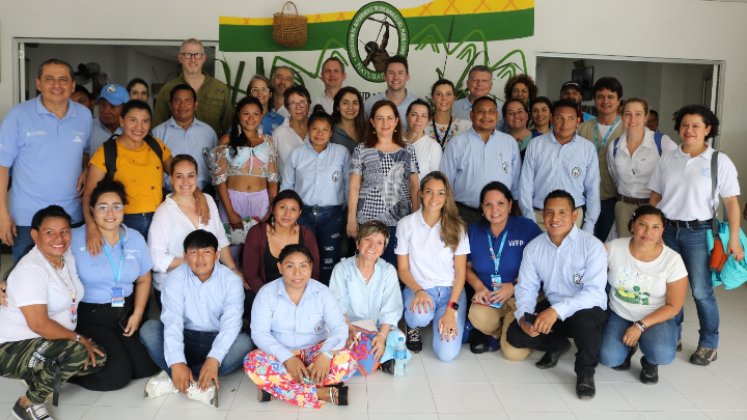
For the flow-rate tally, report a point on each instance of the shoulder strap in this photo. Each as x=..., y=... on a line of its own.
x=657, y=139
x=614, y=148
x=153, y=144
x=110, y=157
x=714, y=183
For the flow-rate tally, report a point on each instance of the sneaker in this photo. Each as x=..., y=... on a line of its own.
x=703, y=356
x=159, y=385
x=31, y=412
x=208, y=397
x=649, y=373
x=413, y=340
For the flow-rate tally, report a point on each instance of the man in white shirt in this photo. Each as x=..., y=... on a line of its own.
x=396, y=75
x=602, y=131
x=282, y=78
x=333, y=74
x=479, y=84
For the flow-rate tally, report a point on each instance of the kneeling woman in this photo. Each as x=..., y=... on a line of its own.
x=117, y=288
x=300, y=333
x=367, y=288
x=432, y=248
x=648, y=282
x=38, y=325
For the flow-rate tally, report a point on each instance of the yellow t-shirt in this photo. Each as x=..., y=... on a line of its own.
x=141, y=172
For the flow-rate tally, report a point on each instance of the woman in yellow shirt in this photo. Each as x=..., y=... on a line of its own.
x=139, y=168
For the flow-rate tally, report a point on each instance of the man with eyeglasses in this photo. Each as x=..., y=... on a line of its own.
x=396, y=75
x=479, y=156
x=333, y=74
x=479, y=84
x=283, y=78
x=213, y=97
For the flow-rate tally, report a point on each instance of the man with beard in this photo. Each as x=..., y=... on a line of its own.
x=572, y=91
x=215, y=107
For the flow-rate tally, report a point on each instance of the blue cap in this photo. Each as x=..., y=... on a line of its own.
x=114, y=94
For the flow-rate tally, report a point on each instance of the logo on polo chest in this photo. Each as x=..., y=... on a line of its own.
x=576, y=172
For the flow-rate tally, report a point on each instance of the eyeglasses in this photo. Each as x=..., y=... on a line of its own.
x=103, y=208
x=260, y=89
x=189, y=56
x=294, y=105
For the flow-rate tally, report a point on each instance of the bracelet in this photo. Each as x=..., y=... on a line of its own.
x=420, y=290
x=641, y=326
x=328, y=355
x=382, y=335
x=77, y=338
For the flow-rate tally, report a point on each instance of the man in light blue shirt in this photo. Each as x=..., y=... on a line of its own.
x=199, y=332
x=561, y=160
x=479, y=84
x=570, y=267
x=480, y=156
x=186, y=135
x=111, y=101
x=396, y=75
x=46, y=141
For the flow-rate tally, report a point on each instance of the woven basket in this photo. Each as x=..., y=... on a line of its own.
x=289, y=29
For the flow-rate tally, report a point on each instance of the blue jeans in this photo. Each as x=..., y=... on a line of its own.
x=139, y=221
x=326, y=223
x=23, y=243
x=445, y=350
x=658, y=343
x=197, y=345
x=691, y=244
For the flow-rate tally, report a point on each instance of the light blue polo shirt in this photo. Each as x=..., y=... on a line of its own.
x=97, y=274
x=46, y=154
x=197, y=141
x=100, y=134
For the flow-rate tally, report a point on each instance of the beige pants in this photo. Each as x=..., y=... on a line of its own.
x=623, y=213
x=495, y=322
x=541, y=221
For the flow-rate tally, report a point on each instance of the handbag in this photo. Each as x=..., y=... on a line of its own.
x=289, y=29
x=238, y=236
x=718, y=256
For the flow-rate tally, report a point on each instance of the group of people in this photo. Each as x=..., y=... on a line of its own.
x=335, y=217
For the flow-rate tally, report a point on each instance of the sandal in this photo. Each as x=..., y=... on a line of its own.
x=264, y=396
x=338, y=395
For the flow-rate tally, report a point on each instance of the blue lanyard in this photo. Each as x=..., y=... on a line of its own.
x=496, y=260
x=607, y=137
x=121, y=258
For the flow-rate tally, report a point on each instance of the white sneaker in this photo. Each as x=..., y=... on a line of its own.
x=208, y=397
x=32, y=412
x=159, y=385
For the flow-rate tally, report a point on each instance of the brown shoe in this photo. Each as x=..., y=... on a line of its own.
x=703, y=356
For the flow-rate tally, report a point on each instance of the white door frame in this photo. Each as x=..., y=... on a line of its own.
x=19, y=73
x=719, y=71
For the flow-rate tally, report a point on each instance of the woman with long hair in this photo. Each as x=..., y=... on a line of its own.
x=432, y=248
x=349, y=118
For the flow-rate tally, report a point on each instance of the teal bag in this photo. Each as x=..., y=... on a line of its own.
x=734, y=273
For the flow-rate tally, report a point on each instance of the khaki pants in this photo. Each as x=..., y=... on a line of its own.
x=623, y=213
x=495, y=322
x=541, y=221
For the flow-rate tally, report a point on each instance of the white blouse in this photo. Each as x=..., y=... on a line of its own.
x=286, y=139
x=167, y=232
x=631, y=174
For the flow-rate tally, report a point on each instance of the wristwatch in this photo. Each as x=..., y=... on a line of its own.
x=641, y=326
x=453, y=305
x=77, y=338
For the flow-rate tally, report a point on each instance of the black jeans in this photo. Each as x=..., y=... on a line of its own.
x=127, y=356
x=606, y=219
x=584, y=327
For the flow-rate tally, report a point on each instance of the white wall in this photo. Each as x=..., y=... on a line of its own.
x=691, y=29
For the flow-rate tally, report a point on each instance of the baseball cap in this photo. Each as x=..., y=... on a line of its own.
x=567, y=85
x=114, y=94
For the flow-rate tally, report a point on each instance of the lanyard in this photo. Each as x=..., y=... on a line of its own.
x=496, y=259
x=118, y=273
x=607, y=137
x=446, y=133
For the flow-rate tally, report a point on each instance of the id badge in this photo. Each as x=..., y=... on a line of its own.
x=117, y=297
x=496, y=280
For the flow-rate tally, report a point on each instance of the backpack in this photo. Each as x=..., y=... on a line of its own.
x=657, y=139
x=110, y=153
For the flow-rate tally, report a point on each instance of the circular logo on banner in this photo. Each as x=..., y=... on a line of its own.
x=377, y=32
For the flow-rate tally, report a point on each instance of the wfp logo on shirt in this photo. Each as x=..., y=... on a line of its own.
x=516, y=242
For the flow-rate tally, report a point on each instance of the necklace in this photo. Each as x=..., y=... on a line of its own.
x=366, y=278
x=72, y=289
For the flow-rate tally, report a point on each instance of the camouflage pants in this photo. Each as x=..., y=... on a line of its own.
x=25, y=360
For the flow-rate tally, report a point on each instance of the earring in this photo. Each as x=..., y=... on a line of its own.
x=395, y=130
x=295, y=225
x=272, y=222
x=374, y=132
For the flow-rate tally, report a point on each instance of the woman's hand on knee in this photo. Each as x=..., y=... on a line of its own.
x=421, y=302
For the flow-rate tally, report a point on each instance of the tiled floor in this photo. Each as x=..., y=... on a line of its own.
x=487, y=385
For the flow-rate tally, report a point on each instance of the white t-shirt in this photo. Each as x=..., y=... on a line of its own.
x=431, y=261
x=639, y=288
x=35, y=282
x=323, y=100
x=429, y=155
x=684, y=183
x=167, y=232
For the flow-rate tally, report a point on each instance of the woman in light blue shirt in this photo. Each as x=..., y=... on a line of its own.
x=117, y=284
x=296, y=322
x=319, y=172
x=367, y=288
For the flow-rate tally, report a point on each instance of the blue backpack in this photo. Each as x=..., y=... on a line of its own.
x=657, y=139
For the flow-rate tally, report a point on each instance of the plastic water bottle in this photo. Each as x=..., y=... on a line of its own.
x=400, y=356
